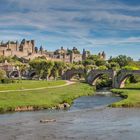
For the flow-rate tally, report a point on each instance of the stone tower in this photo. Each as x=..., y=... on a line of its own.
x=27, y=46
x=84, y=55
x=71, y=57
x=41, y=49
x=103, y=55
x=17, y=46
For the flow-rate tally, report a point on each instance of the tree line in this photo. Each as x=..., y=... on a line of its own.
x=45, y=68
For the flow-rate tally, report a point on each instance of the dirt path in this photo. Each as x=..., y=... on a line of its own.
x=67, y=83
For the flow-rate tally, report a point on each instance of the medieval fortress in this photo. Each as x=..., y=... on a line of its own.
x=27, y=50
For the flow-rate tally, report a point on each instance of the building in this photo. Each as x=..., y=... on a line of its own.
x=67, y=55
x=11, y=48
x=27, y=50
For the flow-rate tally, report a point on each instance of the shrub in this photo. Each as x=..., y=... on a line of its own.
x=2, y=74
x=7, y=81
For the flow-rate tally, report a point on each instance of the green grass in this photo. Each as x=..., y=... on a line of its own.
x=132, y=94
x=133, y=86
x=45, y=98
x=30, y=84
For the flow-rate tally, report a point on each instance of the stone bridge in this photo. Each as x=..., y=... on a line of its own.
x=118, y=79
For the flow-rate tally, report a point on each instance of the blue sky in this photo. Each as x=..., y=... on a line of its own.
x=112, y=26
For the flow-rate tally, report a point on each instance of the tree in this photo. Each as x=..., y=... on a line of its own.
x=113, y=66
x=55, y=71
x=47, y=67
x=3, y=58
x=41, y=49
x=2, y=74
x=94, y=60
x=122, y=60
x=36, y=50
x=128, y=67
x=22, y=68
x=60, y=66
x=93, y=57
x=69, y=51
x=37, y=65
x=88, y=62
x=103, y=68
x=100, y=63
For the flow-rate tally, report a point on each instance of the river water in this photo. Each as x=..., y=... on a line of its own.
x=88, y=119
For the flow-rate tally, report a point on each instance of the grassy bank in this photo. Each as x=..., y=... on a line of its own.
x=30, y=84
x=43, y=99
x=131, y=94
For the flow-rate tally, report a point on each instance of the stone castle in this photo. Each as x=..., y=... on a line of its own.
x=27, y=50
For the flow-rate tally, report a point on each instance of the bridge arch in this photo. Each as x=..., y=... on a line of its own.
x=70, y=73
x=94, y=75
x=123, y=75
x=31, y=74
x=14, y=74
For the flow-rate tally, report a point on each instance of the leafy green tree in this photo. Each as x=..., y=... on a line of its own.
x=69, y=51
x=93, y=57
x=113, y=65
x=88, y=62
x=2, y=74
x=46, y=68
x=103, y=68
x=55, y=70
x=122, y=60
x=91, y=60
x=36, y=65
x=3, y=58
x=36, y=49
x=128, y=67
x=60, y=67
x=100, y=63
x=90, y=67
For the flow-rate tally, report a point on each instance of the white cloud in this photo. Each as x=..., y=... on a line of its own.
x=71, y=20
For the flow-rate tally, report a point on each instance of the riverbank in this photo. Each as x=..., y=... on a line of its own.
x=131, y=95
x=43, y=98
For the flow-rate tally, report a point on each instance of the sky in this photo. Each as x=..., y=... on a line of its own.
x=112, y=26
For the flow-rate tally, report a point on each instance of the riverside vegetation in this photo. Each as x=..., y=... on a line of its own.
x=44, y=98
x=131, y=94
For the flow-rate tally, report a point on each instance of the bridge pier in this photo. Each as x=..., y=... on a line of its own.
x=115, y=83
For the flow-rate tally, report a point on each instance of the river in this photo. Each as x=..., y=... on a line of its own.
x=89, y=118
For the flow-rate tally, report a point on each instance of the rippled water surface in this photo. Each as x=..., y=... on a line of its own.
x=87, y=119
